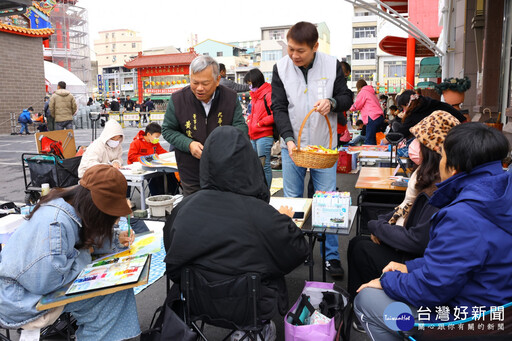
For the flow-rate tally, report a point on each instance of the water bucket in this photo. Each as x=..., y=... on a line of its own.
x=159, y=204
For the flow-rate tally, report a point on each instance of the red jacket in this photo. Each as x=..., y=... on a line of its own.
x=259, y=121
x=139, y=147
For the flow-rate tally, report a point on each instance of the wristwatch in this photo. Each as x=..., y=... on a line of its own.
x=333, y=104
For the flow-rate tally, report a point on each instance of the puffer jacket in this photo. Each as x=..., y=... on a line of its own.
x=260, y=123
x=140, y=147
x=100, y=152
x=368, y=104
x=62, y=105
x=468, y=261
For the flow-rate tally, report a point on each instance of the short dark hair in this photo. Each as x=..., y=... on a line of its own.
x=303, y=32
x=222, y=67
x=360, y=84
x=346, y=67
x=30, y=109
x=152, y=128
x=473, y=144
x=404, y=97
x=255, y=77
x=62, y=84
x=383, y=97
x=393, y=107
x=359, y=122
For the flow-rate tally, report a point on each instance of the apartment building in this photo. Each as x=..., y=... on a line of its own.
x=274, y=45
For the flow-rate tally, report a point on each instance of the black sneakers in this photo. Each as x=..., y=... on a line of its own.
x=333, y=266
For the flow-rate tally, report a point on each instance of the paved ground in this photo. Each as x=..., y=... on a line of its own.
x=12, y=189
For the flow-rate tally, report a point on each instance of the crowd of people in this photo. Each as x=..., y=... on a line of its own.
x=447, y=243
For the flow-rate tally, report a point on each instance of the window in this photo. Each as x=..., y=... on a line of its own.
x=360, y=54
x=220, y=54
x=134, y=45
x=113, y=47
x=206, y=54
x=268, y=76
x=113, y=34
x=271, y=55
x=106, y=35
x=362, y=14
x=367, y=75
x=395, y=69
x=364, y=32
x=114, y=58
x=276, y=34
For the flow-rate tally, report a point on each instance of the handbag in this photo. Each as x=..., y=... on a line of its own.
x=169, y=326
x=344, y=162
x=331, y=301
x=275, y=133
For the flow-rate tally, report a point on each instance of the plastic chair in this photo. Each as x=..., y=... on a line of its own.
x=221, y=301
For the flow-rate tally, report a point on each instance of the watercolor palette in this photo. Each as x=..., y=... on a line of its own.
x=109, y=272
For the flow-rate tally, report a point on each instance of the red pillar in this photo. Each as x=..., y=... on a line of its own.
x=139, y=86
x=411, y=62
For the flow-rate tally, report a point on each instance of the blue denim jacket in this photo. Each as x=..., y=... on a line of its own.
x=40, y=258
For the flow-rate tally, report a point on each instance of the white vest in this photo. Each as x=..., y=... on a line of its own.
x=302, y=96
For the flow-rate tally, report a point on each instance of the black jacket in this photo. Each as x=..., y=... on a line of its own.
x=428, y=106
x=228, y=227
x=129, y=104
x=414, y=236
x=115, y=106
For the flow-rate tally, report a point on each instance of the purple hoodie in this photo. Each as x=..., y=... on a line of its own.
x=367, y=103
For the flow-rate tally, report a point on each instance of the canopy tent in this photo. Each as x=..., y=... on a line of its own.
x=54, y=73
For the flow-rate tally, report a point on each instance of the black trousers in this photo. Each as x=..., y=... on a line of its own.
x=367, y=259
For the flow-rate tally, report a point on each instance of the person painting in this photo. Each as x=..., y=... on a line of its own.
x=467, y=262
x=229, y=228
x=106, y=149
x=194, y=112
x=69, y=225
x=146, y=142
x=261, y=119
x=371, y=111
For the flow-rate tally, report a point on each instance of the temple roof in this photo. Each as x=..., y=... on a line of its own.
x=29, y=32
x=161, y=60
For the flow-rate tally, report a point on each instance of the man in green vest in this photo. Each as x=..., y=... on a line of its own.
x=194, y=112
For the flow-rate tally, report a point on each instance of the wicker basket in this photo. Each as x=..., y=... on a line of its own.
x=309, y=159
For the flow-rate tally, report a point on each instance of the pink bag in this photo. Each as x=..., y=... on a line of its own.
x=317, y=332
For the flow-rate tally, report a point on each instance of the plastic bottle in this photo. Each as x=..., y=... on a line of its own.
x=45, y=189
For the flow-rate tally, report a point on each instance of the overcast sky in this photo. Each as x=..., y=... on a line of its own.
x=170, y=22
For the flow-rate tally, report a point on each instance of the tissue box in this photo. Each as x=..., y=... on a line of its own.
x=331, y=209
